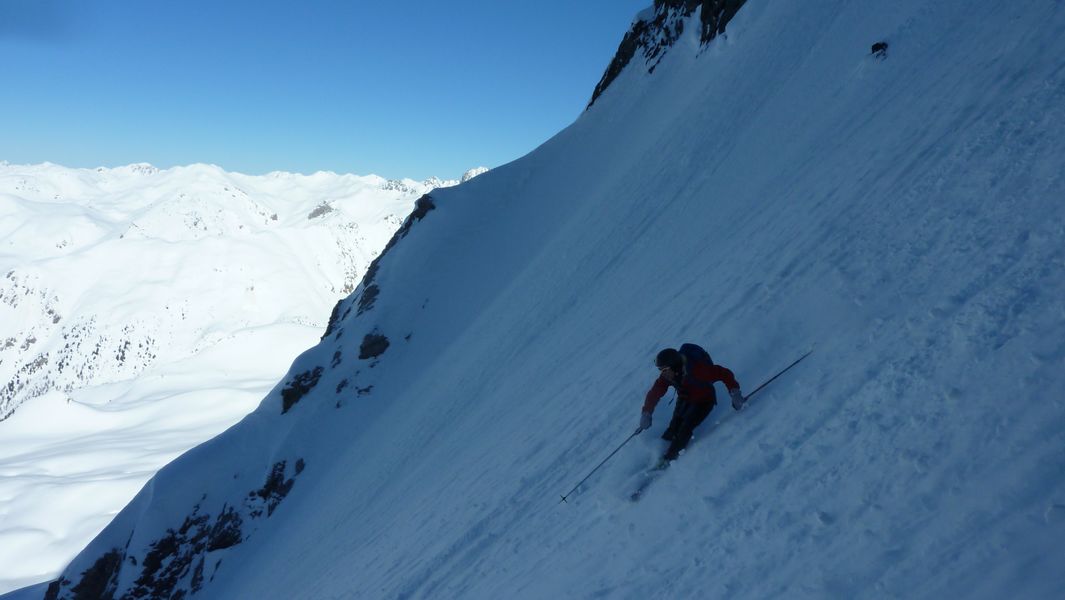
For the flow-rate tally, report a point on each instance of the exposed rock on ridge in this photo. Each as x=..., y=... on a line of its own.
x=175, y=565
x=651, y=39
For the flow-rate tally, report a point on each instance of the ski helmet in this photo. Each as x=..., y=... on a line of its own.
x=669, y=358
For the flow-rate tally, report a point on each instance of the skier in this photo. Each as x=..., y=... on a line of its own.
x=692, y=373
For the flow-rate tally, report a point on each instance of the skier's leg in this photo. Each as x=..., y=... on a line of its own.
x=692, y=417
x=674, y=423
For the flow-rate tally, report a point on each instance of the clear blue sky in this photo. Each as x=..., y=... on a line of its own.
x=401, y=89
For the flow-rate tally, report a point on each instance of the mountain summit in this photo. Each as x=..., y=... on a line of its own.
x=776, y=187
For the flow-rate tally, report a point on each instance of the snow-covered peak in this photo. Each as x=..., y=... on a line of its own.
x=132, y=169
x=436, y=182
x=474, y=172
x=430, y=183
x=646, y=14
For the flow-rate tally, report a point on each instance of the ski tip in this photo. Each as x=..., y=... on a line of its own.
x=637, y=495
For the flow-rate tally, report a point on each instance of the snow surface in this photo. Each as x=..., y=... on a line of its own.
x=777, y=189
x=145, y=311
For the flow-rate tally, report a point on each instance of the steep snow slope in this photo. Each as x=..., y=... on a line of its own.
x=775, y=188
x=143, y=312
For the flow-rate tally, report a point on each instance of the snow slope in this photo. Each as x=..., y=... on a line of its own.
x=773, y=188
x=143, y=312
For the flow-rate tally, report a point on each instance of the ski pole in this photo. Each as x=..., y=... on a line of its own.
x=782, y=371
x=634, y=434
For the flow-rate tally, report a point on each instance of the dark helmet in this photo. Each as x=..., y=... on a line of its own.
x=669, y=358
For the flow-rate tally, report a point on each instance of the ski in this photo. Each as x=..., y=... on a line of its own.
x=640, y=489
x=647, y=478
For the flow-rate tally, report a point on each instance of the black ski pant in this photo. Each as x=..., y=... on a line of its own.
x=686, y=417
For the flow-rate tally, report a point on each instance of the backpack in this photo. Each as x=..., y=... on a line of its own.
x=695, y=354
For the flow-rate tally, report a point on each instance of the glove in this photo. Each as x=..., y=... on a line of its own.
x=645, y=421
x=737, y=399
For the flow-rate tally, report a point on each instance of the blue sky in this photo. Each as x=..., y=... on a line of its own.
x=400, y=89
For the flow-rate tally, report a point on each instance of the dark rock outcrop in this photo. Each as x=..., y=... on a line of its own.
x=226, y=532
x=174, y=565
x=370, y=290
x=652, y=39
x=334, y=318
x=275, y=489
x=96, y=583
x=373, y=345
x=320, y=210
x=298, y=387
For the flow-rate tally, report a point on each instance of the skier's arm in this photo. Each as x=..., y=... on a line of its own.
x=659, y=389
x=719, y=373
x=725, y=376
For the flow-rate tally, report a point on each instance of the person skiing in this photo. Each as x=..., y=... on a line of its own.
x=692, y=373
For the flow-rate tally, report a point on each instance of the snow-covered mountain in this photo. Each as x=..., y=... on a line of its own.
x=107, y=272
x=144, y=311
x=770, y=187
x=468, y=175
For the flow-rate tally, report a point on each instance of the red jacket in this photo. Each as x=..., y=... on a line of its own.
x=696, y=386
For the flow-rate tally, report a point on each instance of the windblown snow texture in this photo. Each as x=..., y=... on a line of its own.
x=772, y=188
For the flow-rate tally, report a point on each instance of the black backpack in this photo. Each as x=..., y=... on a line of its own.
x=695, y=354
